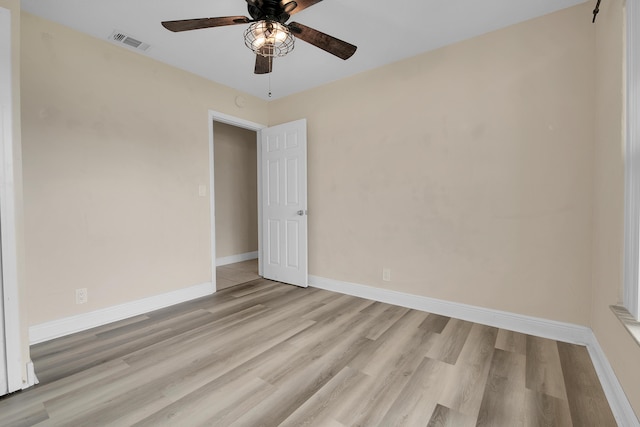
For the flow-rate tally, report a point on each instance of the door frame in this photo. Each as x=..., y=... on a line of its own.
x=216, y=116
x=8, y=240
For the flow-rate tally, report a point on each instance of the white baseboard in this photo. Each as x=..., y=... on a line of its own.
x=69, y=325
x=32, y=379
x=620, y=406
x=232, y=259
x=559, y=331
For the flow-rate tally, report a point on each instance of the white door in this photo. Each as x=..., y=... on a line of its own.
x=284, y=202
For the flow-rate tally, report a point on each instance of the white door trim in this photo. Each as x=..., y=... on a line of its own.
x=7, y=213
x=631, y=297
x=245, y=124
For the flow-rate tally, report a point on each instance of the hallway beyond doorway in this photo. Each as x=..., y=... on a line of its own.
x=234, y=274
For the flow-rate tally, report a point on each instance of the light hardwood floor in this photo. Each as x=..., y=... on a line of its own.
x=268, y=354
x=235, y=274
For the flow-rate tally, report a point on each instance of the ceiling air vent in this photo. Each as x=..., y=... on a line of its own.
x=125, y=39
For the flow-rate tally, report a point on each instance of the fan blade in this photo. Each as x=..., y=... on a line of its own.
x=330, y=44
x=196, y=24
x=264, y=64
x=302, y=4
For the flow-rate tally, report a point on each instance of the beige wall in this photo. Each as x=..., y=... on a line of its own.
x=115, y=147
x=608, y=209
x=14, y=7
x=467, y=170
x=235, y=168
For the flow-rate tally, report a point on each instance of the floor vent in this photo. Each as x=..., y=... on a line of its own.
x=127, y=40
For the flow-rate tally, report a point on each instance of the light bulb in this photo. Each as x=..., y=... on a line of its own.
x=281, y=36
x=259, y=42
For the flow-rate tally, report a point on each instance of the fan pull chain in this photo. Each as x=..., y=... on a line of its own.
x=595, y=11
x=269, y=85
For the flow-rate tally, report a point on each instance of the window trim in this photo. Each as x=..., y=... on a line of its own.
x=631, y=291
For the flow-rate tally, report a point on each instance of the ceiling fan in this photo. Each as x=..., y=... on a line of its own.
x=268, y=34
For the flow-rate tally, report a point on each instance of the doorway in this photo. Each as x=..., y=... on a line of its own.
x=236, y=215
x=281, y=198
x=226, y=124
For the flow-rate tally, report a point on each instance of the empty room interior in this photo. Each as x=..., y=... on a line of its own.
x=459, y=218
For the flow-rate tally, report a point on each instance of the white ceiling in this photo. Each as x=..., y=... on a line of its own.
x=385, y=31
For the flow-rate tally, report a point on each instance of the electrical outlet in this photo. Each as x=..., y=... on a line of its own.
x=386, y=274
x=81, y=295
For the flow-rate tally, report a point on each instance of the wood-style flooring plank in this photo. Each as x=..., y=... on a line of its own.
x=27, y=416
x=313, y=350
x=392, y=360
x=419, y=397
x=211, y=405
x=586, y=398
x=466, y=381
x=43, y=392
x=478, y=348
x=121, y=408
x=511, y=341
x=544, y=410
x=503, y=400
x=232, y=357
x=445, y=417
x=295, y=390
x=451, y=341
x=385, y=320
x=544, y=372
x=435, y=323
x=319, y=408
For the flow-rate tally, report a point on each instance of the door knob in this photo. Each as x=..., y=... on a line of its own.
x=300, y=212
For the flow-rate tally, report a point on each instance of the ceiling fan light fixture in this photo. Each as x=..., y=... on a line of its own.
x=269, y=38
